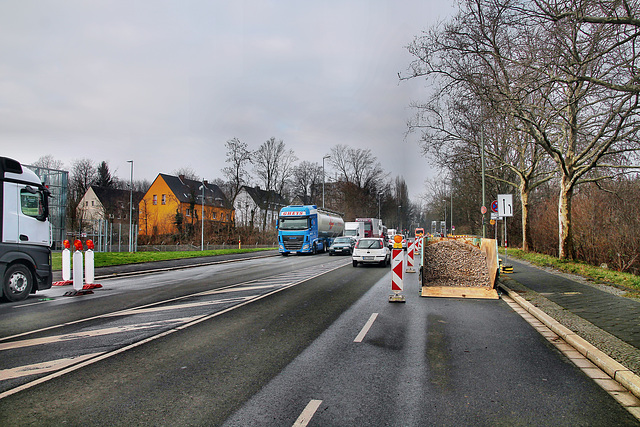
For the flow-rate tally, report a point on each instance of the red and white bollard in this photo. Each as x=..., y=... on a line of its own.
x=78, y=278
x=410, y=260
x=397, y=269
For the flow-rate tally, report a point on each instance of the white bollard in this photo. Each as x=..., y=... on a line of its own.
x=89, y=264
x=66, y=261
x=78, y=278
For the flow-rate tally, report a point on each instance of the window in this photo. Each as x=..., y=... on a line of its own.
x=92, y=203
x=213, y=215
x=164, y=199
x=188, y=212
x=155, y=199
x=32, y=204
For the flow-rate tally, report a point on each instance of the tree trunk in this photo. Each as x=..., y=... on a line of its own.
x=565, y=233
x=526, y=237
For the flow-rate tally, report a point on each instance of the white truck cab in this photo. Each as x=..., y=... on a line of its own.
x=25, y=235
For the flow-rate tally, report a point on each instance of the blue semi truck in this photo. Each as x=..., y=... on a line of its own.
x=307, y=229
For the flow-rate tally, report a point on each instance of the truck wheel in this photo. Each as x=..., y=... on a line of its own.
x=17, y=283
x=315, y=249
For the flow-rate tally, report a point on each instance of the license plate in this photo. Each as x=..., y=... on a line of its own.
x=367, y=258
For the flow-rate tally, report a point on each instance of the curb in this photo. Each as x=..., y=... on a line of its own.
x=614, y=369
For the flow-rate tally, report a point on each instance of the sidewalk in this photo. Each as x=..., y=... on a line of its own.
x=597, y=313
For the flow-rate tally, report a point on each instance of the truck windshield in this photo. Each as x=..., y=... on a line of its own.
x=350, y=232
x=294, y=223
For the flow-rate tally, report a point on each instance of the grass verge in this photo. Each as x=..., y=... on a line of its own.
x=104, y=259
x=598, y=274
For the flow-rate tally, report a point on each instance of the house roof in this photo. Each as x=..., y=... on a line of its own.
x=110, y=196
x=262, y=197
x=187, y=190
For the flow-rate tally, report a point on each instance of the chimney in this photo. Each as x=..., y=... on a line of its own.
x=205, y=182
x=181, y=178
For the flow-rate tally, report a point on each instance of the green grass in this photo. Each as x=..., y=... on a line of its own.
x=103, y=259
x=602, y=275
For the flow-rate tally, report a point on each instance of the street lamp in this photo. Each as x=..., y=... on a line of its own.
x=130, y=205
x=202, y=219
x=445, y=218
x=325, y=157
x=379, y=195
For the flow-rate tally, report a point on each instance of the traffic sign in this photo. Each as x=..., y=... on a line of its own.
x=494, y=206
x=505, y=205
x=483, y=210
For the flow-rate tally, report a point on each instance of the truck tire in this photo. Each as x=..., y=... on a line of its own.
x=17, y=283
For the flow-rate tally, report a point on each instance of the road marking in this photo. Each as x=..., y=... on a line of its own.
x=91, y=333
x=196, y=320
x=366, y=327
x=308, y=413
x=147, y=310
x=44, y=367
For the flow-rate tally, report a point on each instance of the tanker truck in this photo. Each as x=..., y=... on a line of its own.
x=307, y=229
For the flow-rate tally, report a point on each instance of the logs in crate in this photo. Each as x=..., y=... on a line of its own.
x=462, y=267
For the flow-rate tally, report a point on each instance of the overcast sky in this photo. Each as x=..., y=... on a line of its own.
x=167, y=83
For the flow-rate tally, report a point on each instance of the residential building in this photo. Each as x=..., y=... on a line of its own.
x=110, y=204
x=174, y=203
x=255, y=207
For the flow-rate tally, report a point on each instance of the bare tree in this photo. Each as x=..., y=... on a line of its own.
x=272, y=163
x=187, y=172
x=48, y=162
x=539, y=71
x=83, y=175
x=360, y=178
x=307, y=177
x=238, y=157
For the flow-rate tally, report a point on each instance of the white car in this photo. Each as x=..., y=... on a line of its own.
x=371, y=250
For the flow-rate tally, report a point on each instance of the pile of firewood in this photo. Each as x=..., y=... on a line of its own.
x=454, y=263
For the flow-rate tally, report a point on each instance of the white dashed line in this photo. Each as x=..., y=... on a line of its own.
x=366, y=328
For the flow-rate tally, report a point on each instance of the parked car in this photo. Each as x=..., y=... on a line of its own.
x=342, y=245
x=371, y=250
x=391, y=241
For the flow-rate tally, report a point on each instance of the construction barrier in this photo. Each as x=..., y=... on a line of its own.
x=410, y=257
x=459, y=266
x=397, y=269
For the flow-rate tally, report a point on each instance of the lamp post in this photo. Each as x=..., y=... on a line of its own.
x=379, y=195
x=325, y=157
x=130, y=205
x=445, y=218
x=202, y=219
x=451, y=220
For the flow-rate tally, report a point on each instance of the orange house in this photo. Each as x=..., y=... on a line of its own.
x=174, y=202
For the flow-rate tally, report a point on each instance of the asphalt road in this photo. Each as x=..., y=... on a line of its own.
x=425, y=362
